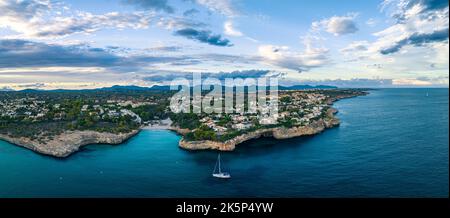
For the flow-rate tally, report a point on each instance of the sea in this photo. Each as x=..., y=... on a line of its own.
x=391, y=143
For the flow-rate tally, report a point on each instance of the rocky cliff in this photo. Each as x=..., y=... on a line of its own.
x=278, y=133
x=69, y=142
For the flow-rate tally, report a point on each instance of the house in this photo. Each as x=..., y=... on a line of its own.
x=84, y=107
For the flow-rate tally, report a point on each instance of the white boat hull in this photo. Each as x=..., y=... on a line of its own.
x=221, y=175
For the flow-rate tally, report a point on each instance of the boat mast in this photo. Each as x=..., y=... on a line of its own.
x=215, y=167
x=220, y=171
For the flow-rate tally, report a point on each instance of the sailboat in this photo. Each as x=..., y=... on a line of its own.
x=220, y=174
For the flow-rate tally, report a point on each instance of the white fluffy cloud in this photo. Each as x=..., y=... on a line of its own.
x=88, y=23
x=282, y=56
x=418, y=23
x=416, y=42
x=42, y=19
x=224, y=7
x=337, y=25
x=230, y=30
x=17, y=15
x=159, y=5
x=356, y=46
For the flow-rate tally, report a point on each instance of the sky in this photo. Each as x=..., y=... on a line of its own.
x=77, y=44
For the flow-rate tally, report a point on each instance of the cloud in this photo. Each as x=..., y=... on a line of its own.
x=190, y=12
x=371, y=22
x=419, y=22
x=376, y=83
x=169, y=76
x=356, y=46
x=175, y=23
x=171, y=48
x=32, y=86
x=160, y=5
x=42, y=19
x=21, y=53
x=29, y=57
x=17, y=14
x=422, y=81
x=6, y=88
x=88, y=23
x=417, y=39
x=245, y=74
x=283, y=57
x=35, y=19
x=22, y=10
x=230, y=30
x=224, y=7
x=404, y=10
x=337, y=25
x=204, y=36
x=350, y=83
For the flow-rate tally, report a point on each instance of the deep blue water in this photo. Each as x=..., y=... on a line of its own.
x=391, y=143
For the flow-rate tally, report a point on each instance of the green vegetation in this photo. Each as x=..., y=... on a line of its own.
x=41, y=114
x=152, y=112
x=202, y=133
x=185, y=120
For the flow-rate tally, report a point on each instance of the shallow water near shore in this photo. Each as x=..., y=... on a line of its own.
x=391, y=143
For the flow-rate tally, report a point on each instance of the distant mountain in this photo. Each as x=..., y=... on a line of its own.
x=119, y=88
x=160, y=88
x=6, y=89
x=112, y=88
x=295, y=87
x=301, y=87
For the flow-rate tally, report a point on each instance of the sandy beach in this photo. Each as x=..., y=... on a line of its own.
x=161, y=124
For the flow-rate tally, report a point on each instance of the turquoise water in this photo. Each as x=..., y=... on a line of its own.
x=391, y=143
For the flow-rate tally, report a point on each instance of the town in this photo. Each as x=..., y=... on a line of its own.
x=41, y=115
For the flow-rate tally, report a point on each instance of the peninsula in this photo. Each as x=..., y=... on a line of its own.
x=58, y=123
x=301, y=113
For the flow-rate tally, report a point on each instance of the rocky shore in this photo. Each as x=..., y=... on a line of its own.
x=277, y=133
x=69, y=142
x=65, y=144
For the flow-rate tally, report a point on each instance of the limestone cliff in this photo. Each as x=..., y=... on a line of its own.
x=278, y=133
x=69, y=142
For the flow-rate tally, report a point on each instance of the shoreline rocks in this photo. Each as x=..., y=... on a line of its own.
x=69, y=142
x=277, y=133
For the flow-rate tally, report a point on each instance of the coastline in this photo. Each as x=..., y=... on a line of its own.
x=276, y=132
x=69, y=142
